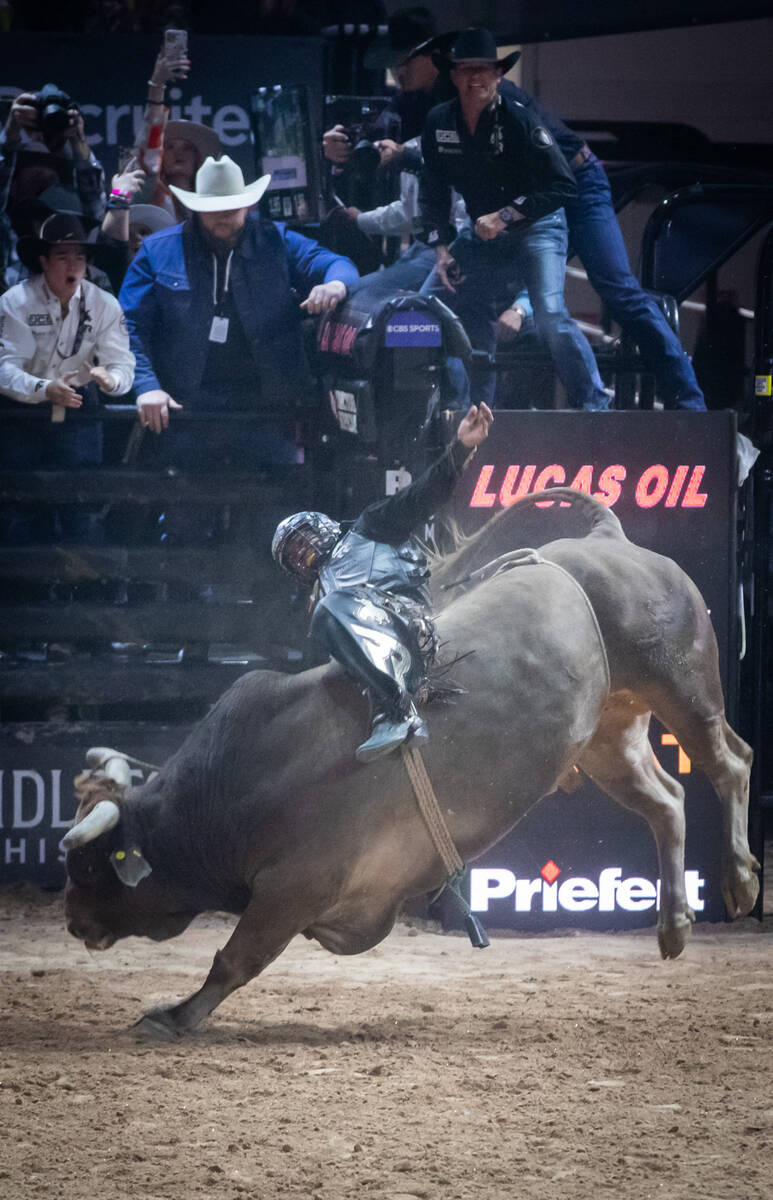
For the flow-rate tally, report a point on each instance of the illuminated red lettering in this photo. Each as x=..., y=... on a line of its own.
x=692, y=497
x=610, y=484
x=652, y=485
x=506, y=495
x=552, y=474
x=480, y=497
x=677, y=483
x=583, y=480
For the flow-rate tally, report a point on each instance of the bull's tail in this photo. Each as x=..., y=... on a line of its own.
x=602, y=519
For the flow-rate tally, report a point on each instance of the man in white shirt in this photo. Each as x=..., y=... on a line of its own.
x=59, y=333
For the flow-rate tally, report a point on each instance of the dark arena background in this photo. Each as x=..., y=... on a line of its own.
x=567, y=1060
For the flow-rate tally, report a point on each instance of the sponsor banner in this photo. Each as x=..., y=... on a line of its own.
x=38, y=764
x=582, y=860
x=111, y=91
x=610, y=892
x=412, y=328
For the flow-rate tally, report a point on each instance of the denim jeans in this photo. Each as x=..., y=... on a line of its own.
x=595, y=237
x=407, y=273
x=537, y=256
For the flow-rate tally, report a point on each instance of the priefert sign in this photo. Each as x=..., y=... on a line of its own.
x=609, y=892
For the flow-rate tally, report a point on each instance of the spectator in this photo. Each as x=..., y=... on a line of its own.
x=215, y=323
x=407, y=50
x=61, y=337
x=514, y=182
x=401, y=218
x=170, y=152
x=44, y=145
x=126, y=224
x=595, y=237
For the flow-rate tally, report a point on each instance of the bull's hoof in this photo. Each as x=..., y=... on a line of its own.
x=157, y=1025
x=740, y=889
x=672, y=938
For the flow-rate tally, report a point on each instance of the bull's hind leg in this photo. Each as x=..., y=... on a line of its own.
x=684, y=690
x=714, y=747
x=620, y=760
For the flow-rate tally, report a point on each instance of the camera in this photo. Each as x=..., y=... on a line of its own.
x=365, y=158
x=54, y=110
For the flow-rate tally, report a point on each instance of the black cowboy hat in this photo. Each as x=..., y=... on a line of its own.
x=59, y=229
x=26, y=216
x=410, y=31
x=475, y=45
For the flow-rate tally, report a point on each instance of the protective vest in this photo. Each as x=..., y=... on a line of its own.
x=357, y=560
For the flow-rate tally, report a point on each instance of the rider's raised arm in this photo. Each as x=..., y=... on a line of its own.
x=395, y=518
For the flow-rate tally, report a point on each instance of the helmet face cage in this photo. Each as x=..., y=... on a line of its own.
x=302, y=541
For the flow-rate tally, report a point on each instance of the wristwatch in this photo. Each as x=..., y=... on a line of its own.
x=508, y=214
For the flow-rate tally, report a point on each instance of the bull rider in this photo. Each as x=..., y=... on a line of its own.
x=370, y=588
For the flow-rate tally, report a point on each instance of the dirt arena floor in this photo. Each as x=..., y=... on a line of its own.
x=544, y=1068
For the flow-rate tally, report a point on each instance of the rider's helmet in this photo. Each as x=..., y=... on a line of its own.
x=302, y=542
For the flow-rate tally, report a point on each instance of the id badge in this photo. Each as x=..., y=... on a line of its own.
x=219, y=329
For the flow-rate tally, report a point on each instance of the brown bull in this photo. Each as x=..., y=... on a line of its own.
x=263, y=811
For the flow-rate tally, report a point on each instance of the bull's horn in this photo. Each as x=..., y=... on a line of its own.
x=104, y=816
x=114, y=764
x=119, y=770
x=97, y=756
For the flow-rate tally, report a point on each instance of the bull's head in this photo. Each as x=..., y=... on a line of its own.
x=102, y=859
x=112, y=774
x=105, y=863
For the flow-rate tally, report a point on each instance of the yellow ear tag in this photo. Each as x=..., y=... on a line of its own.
x=119, y=854
x=136, y=854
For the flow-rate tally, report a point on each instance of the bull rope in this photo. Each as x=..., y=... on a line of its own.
x=443, y=842
x=414, y=763
x=430, y=811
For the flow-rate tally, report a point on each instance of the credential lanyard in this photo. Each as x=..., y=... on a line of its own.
x=218, y=331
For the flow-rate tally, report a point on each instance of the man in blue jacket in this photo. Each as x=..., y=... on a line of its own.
x=214, y=318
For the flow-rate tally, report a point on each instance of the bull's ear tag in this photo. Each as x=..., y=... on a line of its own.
x=130, y=865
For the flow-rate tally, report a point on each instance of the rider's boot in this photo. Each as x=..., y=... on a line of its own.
x=390, y=731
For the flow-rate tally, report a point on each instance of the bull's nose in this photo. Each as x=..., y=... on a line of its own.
x=74, y=928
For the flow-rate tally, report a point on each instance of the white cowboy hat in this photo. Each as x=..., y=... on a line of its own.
x=220, y=186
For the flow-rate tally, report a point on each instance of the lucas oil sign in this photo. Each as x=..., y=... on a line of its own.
x=412, y=328
x=582, y=860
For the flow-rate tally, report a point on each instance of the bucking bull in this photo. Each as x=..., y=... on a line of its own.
x=264, y=812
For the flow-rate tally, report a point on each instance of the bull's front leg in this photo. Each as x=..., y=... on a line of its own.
x=262, y=933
